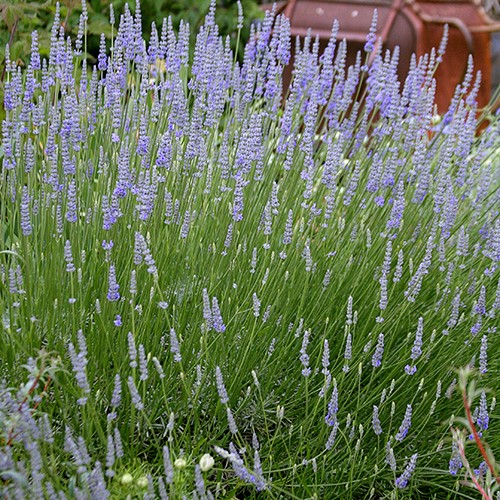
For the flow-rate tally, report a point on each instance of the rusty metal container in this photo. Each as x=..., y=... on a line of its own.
x=416, y=26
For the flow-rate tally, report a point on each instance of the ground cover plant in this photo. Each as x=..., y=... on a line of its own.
x=209, y=291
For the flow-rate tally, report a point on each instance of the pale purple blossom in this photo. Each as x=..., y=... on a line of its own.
x=404, y=478
x=405, y=424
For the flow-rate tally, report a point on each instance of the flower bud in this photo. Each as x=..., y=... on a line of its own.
x=142, y=482
x=126, y=479
x=206, y=462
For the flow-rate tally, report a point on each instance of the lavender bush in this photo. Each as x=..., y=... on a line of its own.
x=220, y=291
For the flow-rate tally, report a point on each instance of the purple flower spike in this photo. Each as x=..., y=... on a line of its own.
x=402, y=481
x=113, y=287
x=371, y=38
x=379, y=352
x=405, y=425
x=218, y=323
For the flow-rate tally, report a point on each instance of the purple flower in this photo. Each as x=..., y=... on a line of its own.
x=238, y=197
x=185, y=225
x=134, y=394
x=390, y=459
x=102, y=60
x=107, y=245
x=199, y=482
x=404, y=478
x=139, y=244
x=68, y=257
x=256, y=305
x=377, y=429
x=483, y=355
x=371, y=38
x=239, y=467
x=79, y=362
x=379, y=351
x=455, y=463
x=174, y=346
x=218, y=323
x=132, y=350
x=25, y=213
x=113, y=287
x=207, y=311
x=116, y=397
x=397, y=210
x=110, y=456
x=405, y=425
x=233, y=428
x=167, y=466
x=416, y=350
x=483, y=417
x=325, y=359
x=333, y=406
x=229, y=237
x=35, y=54
x=164, y=154
x=347, y=352
x=481, y=470
x=332, y=436
x=442, y=46
x=143, y=364
x=304, y=357
x=221, y=388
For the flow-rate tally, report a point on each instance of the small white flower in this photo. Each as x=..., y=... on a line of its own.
x=180, y=463
x=142, y=482
x=206, y=462
x=126, y=479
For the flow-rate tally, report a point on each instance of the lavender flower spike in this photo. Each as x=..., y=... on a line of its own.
x=371, y=38
x=379, y=351
x=113, y=286
x=221, y=388
x=134, y=393
x=377, y=429
x=333, y=406
x=416, y=350
x=402, y=481
x=405, y=425
x=218, y=322
x=174, y=346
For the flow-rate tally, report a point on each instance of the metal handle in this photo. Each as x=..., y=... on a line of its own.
x=489, y=28
x=451, y=21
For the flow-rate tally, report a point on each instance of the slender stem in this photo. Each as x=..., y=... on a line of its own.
x=32, y=388
x=473, y=477
x=477, y=439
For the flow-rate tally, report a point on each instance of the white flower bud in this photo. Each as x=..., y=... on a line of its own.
x=206, y=462
x=126, y=479
x=142, y=482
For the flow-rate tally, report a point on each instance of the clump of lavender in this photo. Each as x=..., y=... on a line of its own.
x=169, y=203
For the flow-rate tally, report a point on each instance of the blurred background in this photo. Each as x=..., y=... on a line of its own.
x=18, y=18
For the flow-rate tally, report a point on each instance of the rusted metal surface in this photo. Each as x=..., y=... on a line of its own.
x=414, y=26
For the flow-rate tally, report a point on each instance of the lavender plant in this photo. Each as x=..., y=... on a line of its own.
x=249, y=291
